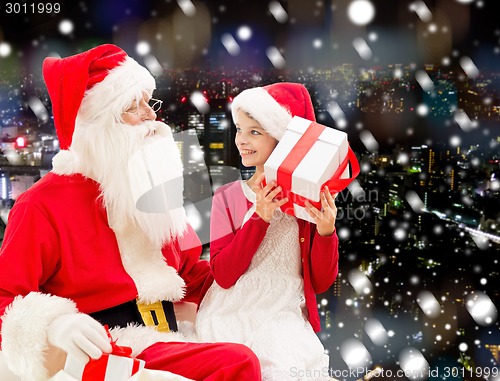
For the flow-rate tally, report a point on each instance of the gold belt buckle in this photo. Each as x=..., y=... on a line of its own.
x=153, y=315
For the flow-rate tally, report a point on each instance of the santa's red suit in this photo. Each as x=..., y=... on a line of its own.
x=60, y=256
x=61, y=237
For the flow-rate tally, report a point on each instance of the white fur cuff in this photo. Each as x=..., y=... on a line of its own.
x=24, y=328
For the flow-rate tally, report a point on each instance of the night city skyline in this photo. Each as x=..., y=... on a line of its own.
x=417, y=90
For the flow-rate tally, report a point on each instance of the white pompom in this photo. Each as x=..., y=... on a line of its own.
x=65, y=163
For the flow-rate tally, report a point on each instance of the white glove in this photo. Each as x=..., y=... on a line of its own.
x=79, y=336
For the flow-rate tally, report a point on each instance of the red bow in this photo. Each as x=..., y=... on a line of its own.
x=117, y=350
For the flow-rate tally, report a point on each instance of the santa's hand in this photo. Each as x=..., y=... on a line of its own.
x=79, y=336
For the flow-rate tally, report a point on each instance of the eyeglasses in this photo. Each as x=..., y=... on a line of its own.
x=153, y=104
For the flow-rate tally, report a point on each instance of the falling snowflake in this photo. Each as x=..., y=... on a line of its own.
x=230, y=44
x=344, y=233
x=463, y=120
x=361, y=12
x=376, y=332
x=455, y=141
x=369, y=141
x=469, y=67
x=362, y=48
x=38, y=108
x=360, y=282
x=153, y=65
x=446, y=61
x=481, y=308
x=278, y=11
x=199, y=101
x=355, y=354
x=5, y=49
x=142, y=48
x=432, y=28
x=275, y=57
x=337, y=114
x=400, y=234
x=244, y=33
x=429, y=304
x=415, y=202
x=356, y=190
x=422, y=11
x=422, y=109
x=187, y=7
x=438, y=229
x=414, y=364
x=66, y=27
x=424, y=80
x=317, y=43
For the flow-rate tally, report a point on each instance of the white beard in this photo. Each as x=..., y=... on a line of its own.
x=104, y=153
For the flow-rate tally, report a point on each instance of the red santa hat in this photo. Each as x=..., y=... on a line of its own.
x=100, y=75
x=273, y=106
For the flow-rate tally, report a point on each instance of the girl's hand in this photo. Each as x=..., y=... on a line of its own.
x=266, y=203
x=324, y=218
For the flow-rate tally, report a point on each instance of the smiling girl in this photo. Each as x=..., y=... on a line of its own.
x=268, y=266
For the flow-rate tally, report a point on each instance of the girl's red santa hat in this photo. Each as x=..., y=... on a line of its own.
x=273, y=106
x=91, y=83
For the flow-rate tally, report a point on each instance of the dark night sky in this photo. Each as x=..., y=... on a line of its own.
x=463, y=29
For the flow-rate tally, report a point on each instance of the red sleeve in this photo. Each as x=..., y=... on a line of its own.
x=231, y=252
x=324, y=260
x=192, y=269
x=29, y=254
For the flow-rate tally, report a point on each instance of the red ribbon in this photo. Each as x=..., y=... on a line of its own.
x=117, y=349
x=96, y=369
x=335, y=184
x=292, y=160
x=135, y=366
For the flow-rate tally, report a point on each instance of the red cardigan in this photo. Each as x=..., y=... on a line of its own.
x=232, y=247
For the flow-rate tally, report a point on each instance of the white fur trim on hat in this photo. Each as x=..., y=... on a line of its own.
x=117, y=90
x=24, y=332
x=263, y=108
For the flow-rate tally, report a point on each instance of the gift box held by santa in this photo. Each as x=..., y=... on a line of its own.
x=78, y=253
x=308, y=156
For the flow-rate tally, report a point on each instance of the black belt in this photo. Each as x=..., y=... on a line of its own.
x=149, y=315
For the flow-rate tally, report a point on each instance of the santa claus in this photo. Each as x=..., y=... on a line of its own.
x=78, y=253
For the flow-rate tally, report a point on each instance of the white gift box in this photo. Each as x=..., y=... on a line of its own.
x=112, y=368
x=142, y=375
x=306, y=158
